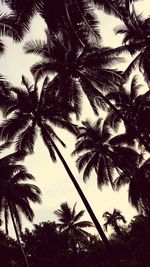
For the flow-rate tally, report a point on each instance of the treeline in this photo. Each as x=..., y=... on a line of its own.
x=46, y=246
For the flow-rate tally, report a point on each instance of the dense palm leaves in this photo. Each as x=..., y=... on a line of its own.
x=96, y=153
x=76, y=68
x=29, y=111
x=15, y=194
x=77, y=17
x=127, y=102
x=9, y=26
x=136, y=39
x=69, y=223
x=135, y=109
x=112, y=220
x=139, y=186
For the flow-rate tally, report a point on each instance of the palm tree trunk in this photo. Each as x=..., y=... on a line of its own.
x=85, y=201
x=6, y=222
x=17, y=235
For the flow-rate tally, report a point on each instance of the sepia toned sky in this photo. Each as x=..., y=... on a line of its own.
x=54, y=182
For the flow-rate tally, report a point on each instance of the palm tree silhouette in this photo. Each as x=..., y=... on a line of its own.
x=9, y=27
x=112, y=220
x=69, y=223
x=96, y=153
x=77, y=17
x=136, y=39
x=79, y=68
x=16, y=194
x=139, y=184
x=30, y=112
x=135, y=109
x=76, y=68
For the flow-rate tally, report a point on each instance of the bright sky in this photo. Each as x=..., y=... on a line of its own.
x=51, y=178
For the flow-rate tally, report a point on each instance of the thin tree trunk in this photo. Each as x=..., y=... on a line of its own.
x=6, y=222
x=17, y=235
x=85, y=201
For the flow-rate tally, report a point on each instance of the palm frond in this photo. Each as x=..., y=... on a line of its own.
x=121, y=180
x=26, y=82
x=84, y=224
x=48, y=144
x=102, y=174
x=8, y=27
x=78, y=216
x=89, y=167
x=82, y=160
x=10, y=128
x=26, y=139
x=43, y=68
x=37, y=47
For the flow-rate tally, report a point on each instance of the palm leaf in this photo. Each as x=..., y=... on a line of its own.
x=48, y=144
x=43, y=68
x=37, y=47
x=26, y=139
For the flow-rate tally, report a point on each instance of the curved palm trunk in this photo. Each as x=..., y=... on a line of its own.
x=17, y=235
x=85, y=201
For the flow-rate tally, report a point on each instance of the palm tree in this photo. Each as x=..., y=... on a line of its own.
x=76, y=16
x=76, y=68
x=135, y=109
x=70, y=224
x=15, y=195
x=120, y=9
x=112, y=219
x=127, y=103
x=96, y=153
x=31, y=111
x=136, y=41
x=139, y=185
x=9, y=27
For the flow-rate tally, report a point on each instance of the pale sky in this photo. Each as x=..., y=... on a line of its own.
x=54, y=182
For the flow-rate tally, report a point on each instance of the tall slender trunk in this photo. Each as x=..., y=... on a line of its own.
x=17, y=235
x=6, y=222
x=84, y=200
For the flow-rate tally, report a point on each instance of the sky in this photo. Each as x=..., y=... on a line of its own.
x=52, y=179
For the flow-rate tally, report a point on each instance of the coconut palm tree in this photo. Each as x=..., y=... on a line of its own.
x=135, y=109
x=121, y=9
x=112, y=220
x=76, y=16
x=81, y=71
x=29, y=111
x=136, y=41
x=16, y=194
x=9, y=27
x=44, y=111
x=70, y=223
x=139, y=185
x=77, y=69
x=97, y=154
